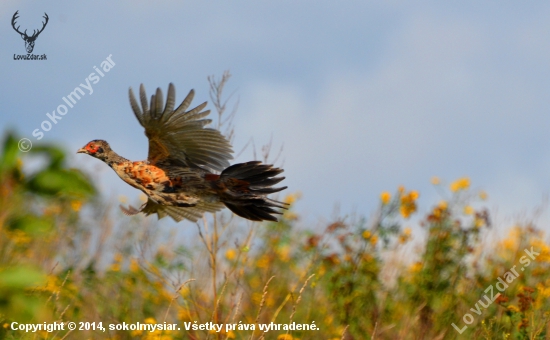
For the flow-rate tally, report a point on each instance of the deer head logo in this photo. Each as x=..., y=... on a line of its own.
x=29, y=41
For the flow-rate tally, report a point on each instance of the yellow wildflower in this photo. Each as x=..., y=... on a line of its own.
x=290, y=215
x=483, y=195
x=543, y=291
x=460, y=184
x=374, y=240
x=416, y=267
x=76, y=205
x=263, y=262
x=366, y=234
x=284, y=337
x=291, y=198
x=513, y=308
x=479, y=222
x=435, y=180
x=408, y=203
x=468, y=210
x=230, y=254
x=134, y=265
x=405, y=236
x=136, y=332
x=150, y=320
x=385, y=197
x=284, y=253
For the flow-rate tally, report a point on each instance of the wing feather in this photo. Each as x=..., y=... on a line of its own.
x=179, y=136
x=177, y=213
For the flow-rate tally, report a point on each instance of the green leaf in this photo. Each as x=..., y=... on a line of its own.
x=10, y=153
x=63, y=182
x=19, y=278
x=30, y=224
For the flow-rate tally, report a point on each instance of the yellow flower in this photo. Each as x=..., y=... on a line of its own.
x=19, y=237
x=405, y=236
x=284, y=253
x=416, y=267
x=366, y=234
x=408, y=203
x=479, y=222
x=483, y=195
x=512, y=241
x=291, y=198
x=136, y=332
x=513, y=308
x=435, y=180
x=468, y=210
x=76, y=205
x=543, y=291
x=373, y=240
x=134, y=265
x=385, y=197
x=263, y=262
x=150, y=320
x=460, y=184
x=230, y=254
x=289, y=215
x=284, y=337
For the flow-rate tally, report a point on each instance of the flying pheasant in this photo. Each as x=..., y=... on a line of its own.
x=181, y=176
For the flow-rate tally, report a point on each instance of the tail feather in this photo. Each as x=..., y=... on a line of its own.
x=266, y=183
x=249, y=200
x=254, y=213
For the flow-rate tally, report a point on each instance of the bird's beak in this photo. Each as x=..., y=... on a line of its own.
x=82, y=150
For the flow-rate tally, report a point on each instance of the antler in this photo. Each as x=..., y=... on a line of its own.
x=13, y=24
x=34, y=35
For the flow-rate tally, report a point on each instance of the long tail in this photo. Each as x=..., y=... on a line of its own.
x=247, y=186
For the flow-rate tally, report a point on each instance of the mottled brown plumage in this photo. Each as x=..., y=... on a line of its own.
x=180, y=175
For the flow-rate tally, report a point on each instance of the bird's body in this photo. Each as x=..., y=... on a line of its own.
x=179, y=176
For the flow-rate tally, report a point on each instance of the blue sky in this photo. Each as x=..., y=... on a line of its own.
x=364, y=95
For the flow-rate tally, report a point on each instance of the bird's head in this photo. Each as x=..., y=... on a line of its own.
x=97, y=148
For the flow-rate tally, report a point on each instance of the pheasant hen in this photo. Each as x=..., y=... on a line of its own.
x=187, y=169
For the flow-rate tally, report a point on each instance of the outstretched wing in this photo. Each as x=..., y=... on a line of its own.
x=178, y=136
x=177, y=213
